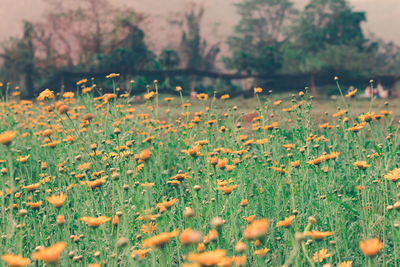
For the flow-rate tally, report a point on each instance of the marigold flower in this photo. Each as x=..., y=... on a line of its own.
x=202, y=96
x=46, y=94
x=261, y=252
x=149, y=95
x=257, y=229
x=209, y=258
x=160, y=240
x=393, y=175
x=361, y=165
x=371, y=247
x=140, y=252
x=68, y=95
x=286, y=222
x=346, y=264
x=352, y=93
x=23, y=159
x=7, y=137
x=145, y=154
x=321, y=255
x=15, y=260
x=57, y=201
x=224, y=97
x=81, y=81
x=95, y=221
x=50, y=254
x=258, y=90
x=317, y=235
x=189, y=236
x=31, y=187
x=34, y=205
x=112, y=75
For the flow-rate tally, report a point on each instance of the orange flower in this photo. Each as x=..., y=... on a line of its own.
x=321, y=255
x=57, y=201
x=393, y=175
x=286, y=222
x=361, y=165
x=31, y=187
x=7, y=137
x=208, y=258
x=189, y=236
x=23, y=159
x=261, y=252
x=160, y=240
x=258, y=90
x=226, y=96
x=352, y=93
x=371, y=247
x=34, y=205
x=317, y=235
x=95, y=183
x=211, y=236
x=50, y=254
x=202, y=96
x=250, y=218
x=95, y=221
x=145, y=154
x=256, y=229
x=227, y=189
x=15, y=260
x=140, y=252
x=346, y=264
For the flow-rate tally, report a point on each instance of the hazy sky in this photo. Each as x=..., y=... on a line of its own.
x=383, y=15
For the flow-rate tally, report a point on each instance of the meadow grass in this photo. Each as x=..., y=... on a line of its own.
x=103, y=181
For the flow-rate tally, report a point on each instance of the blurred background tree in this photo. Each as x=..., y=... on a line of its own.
x=256, y=45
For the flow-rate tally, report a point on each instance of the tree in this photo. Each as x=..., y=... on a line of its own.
x=196, y=54
x=19, y=59
x=168, y=59
x=259, y=35
x=327, y=36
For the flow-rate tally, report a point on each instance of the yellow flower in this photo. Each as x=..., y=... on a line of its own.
x=317, y=235
x=68, y=95
x=393, y=175
x=321, y=255
x=256, y=229
x=15, y=260
x=202, y=96
x=258, y=90
x=160, y=240
x=209, y=258
x=50, y=254
x=46, y=94
x=286, y=222
x=23, y=159
x=371, y=247
x=226, y=96
x=352, y=93
x=112, y=75
x=149, y=95
x=361, y=165
x=81, y=81
x=7, y=137
x=346, y=264
x=57, y=201
x=95, y=221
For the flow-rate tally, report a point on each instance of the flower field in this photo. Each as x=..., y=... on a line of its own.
x=90, y=180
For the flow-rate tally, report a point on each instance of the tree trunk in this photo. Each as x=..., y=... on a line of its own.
x=312, y=83
x=192, y=84
x=167, y=82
